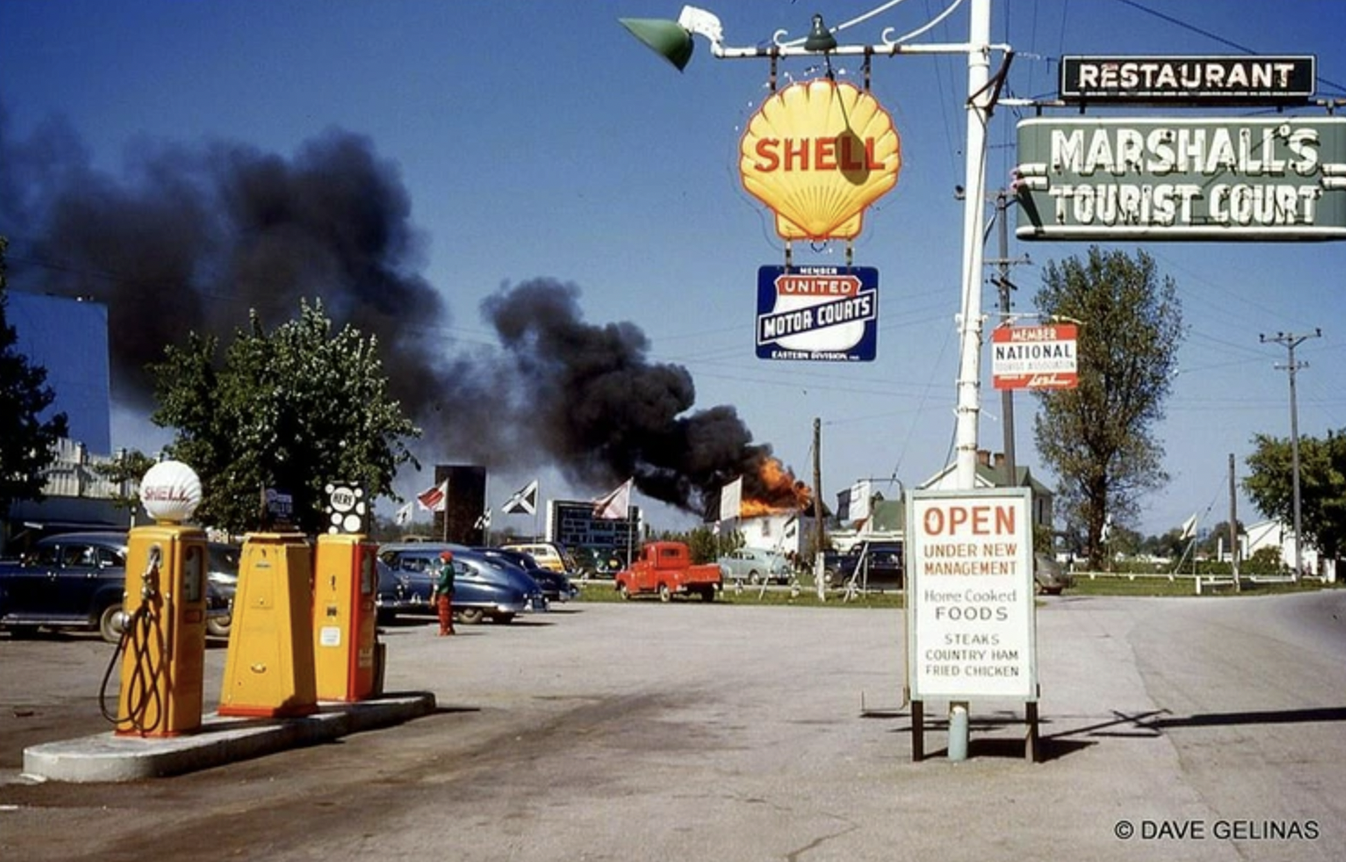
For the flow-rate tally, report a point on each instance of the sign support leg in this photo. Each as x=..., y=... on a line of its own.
x=1033, y=738
x=917, y=731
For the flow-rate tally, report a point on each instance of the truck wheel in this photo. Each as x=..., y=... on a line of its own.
x=707, y=594
x=665, y=594
x=107, y=624
x=623, y=591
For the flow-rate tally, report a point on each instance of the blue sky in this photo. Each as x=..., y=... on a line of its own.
x=539, y=139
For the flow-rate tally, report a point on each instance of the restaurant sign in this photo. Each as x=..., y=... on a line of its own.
x=1266, y=178
x=1187, y=79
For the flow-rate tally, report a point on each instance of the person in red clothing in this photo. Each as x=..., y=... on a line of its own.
x=443, y=594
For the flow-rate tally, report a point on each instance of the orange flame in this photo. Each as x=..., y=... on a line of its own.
x=774, y=490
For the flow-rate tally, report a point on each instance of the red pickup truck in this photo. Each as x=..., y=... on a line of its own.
x=666, y=568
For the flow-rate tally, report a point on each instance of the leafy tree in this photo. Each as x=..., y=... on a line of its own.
x=26, y=441
x=1322, y=486
x=292, y=409
x=1098, y=438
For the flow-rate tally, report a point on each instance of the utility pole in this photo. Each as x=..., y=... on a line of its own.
x=1233, y=527
x=818, y=534
x=1003, y=283
x=1291, y=341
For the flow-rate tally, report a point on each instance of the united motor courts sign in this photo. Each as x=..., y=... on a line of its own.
x=1265, y=178
x=970, y=623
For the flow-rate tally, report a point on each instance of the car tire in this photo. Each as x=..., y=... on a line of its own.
x=707, y=594
x=218, y=627
x=665, y=594
x=470, y=616
x=754, y=578
x=623, y=591
x=107, y=624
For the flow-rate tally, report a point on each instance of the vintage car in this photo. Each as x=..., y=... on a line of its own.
x=75, y=580
x=755, y=565
x=555, y=585
x=483, y=589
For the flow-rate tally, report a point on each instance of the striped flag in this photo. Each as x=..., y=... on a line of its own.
x=434, y=499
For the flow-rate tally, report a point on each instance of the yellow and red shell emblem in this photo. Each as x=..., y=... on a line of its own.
x=817, y=154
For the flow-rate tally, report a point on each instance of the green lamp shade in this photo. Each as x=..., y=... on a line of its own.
x=668, y=38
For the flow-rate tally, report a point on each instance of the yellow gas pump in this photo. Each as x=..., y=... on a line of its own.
x=345, y=632
x=164, y=610
x=268, y=671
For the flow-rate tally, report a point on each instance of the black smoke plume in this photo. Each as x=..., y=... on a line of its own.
x=192, y=238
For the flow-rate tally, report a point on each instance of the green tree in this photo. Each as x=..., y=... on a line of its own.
x=291, y=409
x=1099, y=437
x=1322, y=486
x=128, y=469
x=26, y=440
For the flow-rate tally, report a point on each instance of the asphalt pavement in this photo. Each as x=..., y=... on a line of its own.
x=1193, y=728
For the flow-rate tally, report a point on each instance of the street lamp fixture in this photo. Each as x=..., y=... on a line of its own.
x=820, y=38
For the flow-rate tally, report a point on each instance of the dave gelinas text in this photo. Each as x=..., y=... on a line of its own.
x=1220, y=830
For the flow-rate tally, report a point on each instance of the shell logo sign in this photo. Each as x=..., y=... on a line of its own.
x=817, y=154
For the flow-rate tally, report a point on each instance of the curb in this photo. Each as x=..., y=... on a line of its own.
x=107, y=757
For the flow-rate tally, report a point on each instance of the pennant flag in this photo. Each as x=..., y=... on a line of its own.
x=731, y=499
x=524, y=501
x=434, y=499
x=1189, y=527
x=403, y=516
x=484, y=520
x=615, y=504
x=861, y=493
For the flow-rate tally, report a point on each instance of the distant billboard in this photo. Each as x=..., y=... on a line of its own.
x=1271, y=178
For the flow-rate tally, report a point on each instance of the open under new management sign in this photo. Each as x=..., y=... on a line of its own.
x=1269, y=178
x=971, y=630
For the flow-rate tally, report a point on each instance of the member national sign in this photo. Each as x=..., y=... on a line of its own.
x=819, y=313
x=1034, y=357
x=1206, y=178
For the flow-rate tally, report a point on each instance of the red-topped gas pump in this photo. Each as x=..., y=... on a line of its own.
x=163, y=639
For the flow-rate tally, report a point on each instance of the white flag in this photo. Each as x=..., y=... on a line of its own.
x=615, y=504
x=403, y=516
x=1189, y=527
x=524, y=501
x=484, y=521
x=434, y=499
x=731, y=499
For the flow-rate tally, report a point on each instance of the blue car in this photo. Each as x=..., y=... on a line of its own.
x=555, y=585
x=482, y=588
x=75, y=580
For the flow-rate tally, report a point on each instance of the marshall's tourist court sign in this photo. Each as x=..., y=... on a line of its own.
x=1255, y=178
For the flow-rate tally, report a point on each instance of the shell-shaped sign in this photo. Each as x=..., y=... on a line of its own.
x=170, y=491
x=817, y=154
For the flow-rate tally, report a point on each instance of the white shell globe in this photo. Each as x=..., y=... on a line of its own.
x=170, y=491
